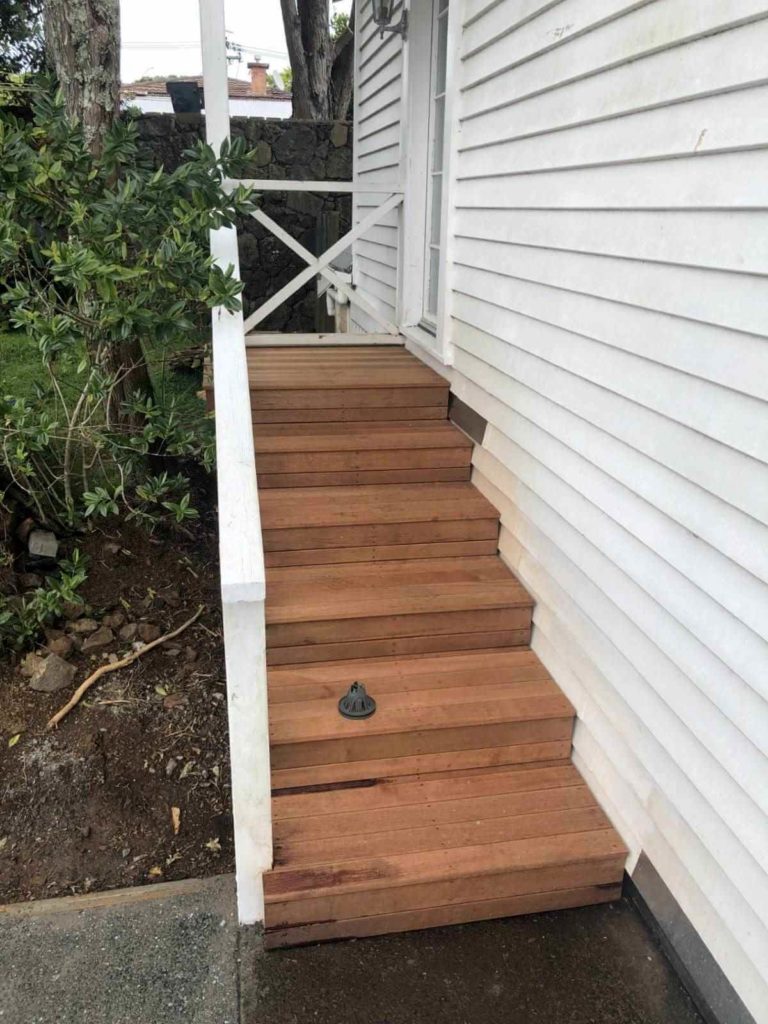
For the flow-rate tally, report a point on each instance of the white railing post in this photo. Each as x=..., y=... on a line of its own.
x=240, y=544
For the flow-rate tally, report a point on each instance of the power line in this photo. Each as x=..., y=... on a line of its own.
x=195, y=45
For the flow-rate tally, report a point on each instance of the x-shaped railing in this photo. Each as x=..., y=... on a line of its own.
x=320, y=265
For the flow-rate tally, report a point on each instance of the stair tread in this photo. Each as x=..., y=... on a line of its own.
x=285, y=438
x=293, y=508
x=365, y=367
x=312, y=680
x=570, y=842
x=365, y=590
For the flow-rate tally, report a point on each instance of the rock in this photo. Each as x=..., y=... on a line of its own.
x=174, y=700
x=170, y=766
x=73, y=609
x=30, y=581
x=262, y=154
x=103, y=637
x=53, y=674
x=42, y=544
x=114, y=619
x=190, y=654
x=170, y=597
x=128, y=631
x=110, y=549
x=82, y=626
x=172, y=652
x=148, y=632
x=24, y=528
x=61, y=645
x=339, y=134
x=30, y=665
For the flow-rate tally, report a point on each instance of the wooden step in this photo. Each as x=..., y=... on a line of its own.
x=399, y=855
x=428, y=709
x=345, y=384
x=337, y=454
x=317, y=525
x=368, y=610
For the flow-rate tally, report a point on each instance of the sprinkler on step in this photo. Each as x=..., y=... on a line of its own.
x=356, y=703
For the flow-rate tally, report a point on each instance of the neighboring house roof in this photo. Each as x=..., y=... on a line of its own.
x=238, y=88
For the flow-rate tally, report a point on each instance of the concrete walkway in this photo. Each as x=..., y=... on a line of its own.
x=173, y=953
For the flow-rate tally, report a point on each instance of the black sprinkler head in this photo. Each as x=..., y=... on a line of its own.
x=356, y=703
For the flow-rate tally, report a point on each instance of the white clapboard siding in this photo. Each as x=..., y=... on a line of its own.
x=609, y=320
x=698, y=69
x=379, y=69
x=608, y=269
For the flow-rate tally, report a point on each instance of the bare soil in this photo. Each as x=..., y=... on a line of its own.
x=91, y=805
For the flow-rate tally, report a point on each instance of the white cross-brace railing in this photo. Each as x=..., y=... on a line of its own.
x=320, y=265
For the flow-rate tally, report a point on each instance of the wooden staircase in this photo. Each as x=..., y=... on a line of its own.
x=456, y=801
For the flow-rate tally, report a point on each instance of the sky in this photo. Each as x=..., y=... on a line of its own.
x=162, y=37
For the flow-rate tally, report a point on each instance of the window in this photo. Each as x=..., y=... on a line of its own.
x=437, y=83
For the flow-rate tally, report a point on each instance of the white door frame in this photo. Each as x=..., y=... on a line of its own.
x=416, y=86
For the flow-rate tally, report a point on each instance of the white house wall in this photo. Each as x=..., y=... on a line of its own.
x=379, y=75
x=609, y=319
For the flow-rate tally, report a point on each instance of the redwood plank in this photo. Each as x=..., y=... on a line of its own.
x=527, y=754
x=438, y=917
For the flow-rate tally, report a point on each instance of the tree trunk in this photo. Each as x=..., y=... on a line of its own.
x=322, y=69
x=343, y=72
x=82, y=38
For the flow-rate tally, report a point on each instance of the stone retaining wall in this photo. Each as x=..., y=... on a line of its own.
x=318, y=150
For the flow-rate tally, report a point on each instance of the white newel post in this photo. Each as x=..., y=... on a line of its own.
x=240, y=544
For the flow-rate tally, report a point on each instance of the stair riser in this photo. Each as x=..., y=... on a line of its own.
x=438, y=917
x=398, y=646
x=361, y=414
x=351, y=478
x=369, y=903
x=382, y=553
x=351, y=398
x=362, y=461
x=415, y=744
x=521, y=755
x=428, y=624
x=383, y=534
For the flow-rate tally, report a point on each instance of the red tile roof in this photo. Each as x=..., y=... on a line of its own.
x=238, y=88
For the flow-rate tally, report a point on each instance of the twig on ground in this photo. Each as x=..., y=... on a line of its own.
x=104, y=669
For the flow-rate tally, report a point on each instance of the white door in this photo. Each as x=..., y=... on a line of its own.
x=435, y=162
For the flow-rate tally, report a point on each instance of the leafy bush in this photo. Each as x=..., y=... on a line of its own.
x=105, y=267
x=22, y=619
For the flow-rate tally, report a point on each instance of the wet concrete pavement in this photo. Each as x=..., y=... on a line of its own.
x=174, y=955
x=598, y=965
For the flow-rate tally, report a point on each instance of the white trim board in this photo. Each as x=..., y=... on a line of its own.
x=278, y=339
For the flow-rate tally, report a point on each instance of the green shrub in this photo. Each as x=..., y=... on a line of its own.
x=105, y=267
x=23, y=619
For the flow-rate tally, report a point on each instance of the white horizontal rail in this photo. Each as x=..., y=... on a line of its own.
x=291, y=185
x=240, y=544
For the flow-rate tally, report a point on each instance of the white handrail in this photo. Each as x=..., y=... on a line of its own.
x=295, y=185
x=243, y=577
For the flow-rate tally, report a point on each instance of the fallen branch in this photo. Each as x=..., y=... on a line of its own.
x=104, y=669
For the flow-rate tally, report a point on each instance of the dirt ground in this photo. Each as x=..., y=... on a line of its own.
x=133, y=786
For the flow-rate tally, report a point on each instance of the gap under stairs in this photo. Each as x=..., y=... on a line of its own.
x=456, y=801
